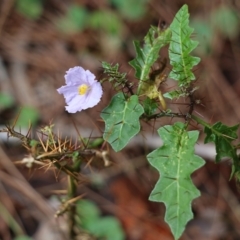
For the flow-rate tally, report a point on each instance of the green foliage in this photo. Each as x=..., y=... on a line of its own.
x=97, y=142
x=175, y=94
x=88, y=211
x=114, y=76
x=181, y=46
x=226, y=21
x=75, y=20
x=204, y=34
x=223, y=20
x=102, y=227
x=131, y=10
x=223, y=136
x=31, y=9
x=150, y=106
x=181, y=92
x=6, y=101
x=148, y=55
x=28, y=115
x=105, y=20
x=176, y=161
x=121, y=118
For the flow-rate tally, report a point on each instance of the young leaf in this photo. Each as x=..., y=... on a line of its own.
x=180, y=47
x=121, y=118
x=114, y=76
x=147, y=56
x=176, y=161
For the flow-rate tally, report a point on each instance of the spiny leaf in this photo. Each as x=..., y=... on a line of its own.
x=117, y=78
x=176, y=161
x=180, y=47
x=222, y=136
x=121, y=118
x=147, y=56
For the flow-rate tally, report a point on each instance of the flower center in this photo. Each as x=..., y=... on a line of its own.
x=82, y=89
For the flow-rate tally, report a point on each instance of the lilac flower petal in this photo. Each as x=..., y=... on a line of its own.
x=68, y=89
x=90, y=78
x=94, y=96
x=76, y=77
x=73, y=109
x=76, y=104
x=69, y=92
x=77, y=101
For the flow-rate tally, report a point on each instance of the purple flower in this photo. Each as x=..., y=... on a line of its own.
x=81, y=91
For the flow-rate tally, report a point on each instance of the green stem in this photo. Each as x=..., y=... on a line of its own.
x=72, y=193
x=163, y=114
x=215, y=131
x=202, y=122
x=72, y=187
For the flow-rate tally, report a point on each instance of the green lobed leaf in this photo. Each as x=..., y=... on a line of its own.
x=147, y=56
x=121, y=118
x=176, y=161
x=223, y=136
x=181, y=46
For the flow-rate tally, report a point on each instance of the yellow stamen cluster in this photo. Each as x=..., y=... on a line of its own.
x=82, y=89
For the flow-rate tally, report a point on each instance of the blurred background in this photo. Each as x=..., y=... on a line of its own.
x=39, y=41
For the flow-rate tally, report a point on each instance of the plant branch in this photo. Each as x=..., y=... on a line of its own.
x=163, y=114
